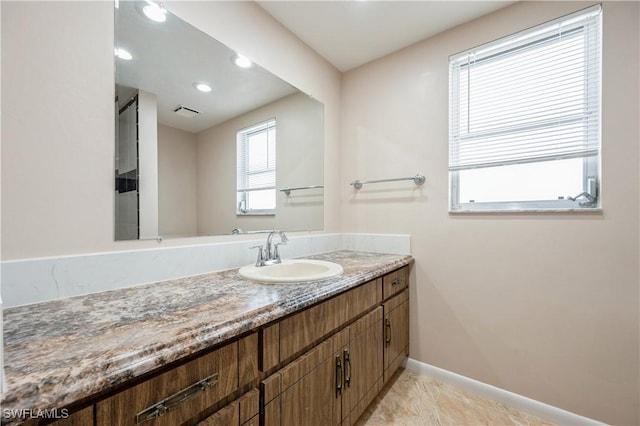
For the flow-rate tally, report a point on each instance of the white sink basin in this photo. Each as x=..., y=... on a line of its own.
x=292, y=270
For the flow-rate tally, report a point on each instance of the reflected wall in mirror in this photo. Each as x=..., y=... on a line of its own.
x=176, y=168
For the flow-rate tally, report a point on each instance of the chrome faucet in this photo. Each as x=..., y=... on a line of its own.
x=270, y=254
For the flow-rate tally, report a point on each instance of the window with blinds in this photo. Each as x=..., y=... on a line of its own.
x=256, y=167
x=524, y=119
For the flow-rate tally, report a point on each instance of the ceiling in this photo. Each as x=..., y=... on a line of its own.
x=168, y=58
x=351, y=33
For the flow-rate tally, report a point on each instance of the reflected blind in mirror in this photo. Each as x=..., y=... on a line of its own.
x=256, y=168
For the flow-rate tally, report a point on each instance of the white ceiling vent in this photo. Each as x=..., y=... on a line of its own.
x=186, y=112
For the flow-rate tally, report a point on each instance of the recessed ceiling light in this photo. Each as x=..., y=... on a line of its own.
x=155, y=11
x=203, y=87
x=242, y=61
x=122, y=54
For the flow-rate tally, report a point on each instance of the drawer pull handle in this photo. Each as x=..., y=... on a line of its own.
x=172, y=402
x=397, y=281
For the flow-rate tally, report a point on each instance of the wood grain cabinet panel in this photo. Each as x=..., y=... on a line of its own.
x=308, y=390
x=239, y=412
x=362, y=298
x=396, y=332
x=311, y=325
x=249, y=405
x=365, y=341
x=226, y=416
x=395, y=282
x=332, y=383
x=83, y=417
x=363, y=363
x=248, y=360
x=269, y=345
x=126, y=408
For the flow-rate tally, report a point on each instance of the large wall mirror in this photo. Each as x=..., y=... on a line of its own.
x=207, y=144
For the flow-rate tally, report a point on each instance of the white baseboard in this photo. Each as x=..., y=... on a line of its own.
x=519, y=402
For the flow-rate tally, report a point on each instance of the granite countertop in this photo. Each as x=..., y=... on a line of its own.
x=63, y=351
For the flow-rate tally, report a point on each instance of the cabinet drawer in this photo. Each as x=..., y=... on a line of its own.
x=363, y=298
x=311, y=325
x=242, y=410
x=394, y=282
x=175, y=396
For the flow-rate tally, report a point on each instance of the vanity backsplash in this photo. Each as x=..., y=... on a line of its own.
x=38, y=280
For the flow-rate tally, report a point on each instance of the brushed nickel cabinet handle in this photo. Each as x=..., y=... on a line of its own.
x=339, y=376
x=397, y=281
x=172, y=402
x=387, y=326
x=347, y=373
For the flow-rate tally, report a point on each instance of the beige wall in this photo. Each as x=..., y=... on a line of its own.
x=298, y=163
x=58, y=135
x=544, y=305
x=177, y=162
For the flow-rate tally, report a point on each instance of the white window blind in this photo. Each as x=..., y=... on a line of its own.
x=530, y=97
x=256, y=168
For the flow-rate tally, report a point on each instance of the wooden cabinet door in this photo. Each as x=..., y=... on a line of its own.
x=304, y=392
x=312, y=399
x=396, y=332
x=363, y=364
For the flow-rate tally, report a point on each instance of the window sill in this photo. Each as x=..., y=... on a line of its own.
x=595, y=210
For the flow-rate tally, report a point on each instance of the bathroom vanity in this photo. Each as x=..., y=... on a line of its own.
x=214, y=349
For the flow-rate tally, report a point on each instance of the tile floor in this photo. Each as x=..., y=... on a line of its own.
x=410, y=399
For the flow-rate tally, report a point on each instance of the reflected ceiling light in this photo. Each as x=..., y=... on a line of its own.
x=203, y=87
x=122, y=54
x=242, y=61
x=155, y=11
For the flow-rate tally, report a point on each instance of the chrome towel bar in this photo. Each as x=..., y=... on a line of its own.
x=417, y=179
x=288, y=190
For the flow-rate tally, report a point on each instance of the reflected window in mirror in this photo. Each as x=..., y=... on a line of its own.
x=256, y=168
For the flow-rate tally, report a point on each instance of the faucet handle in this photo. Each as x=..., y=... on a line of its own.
x=260, y=258
x=276, y=251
